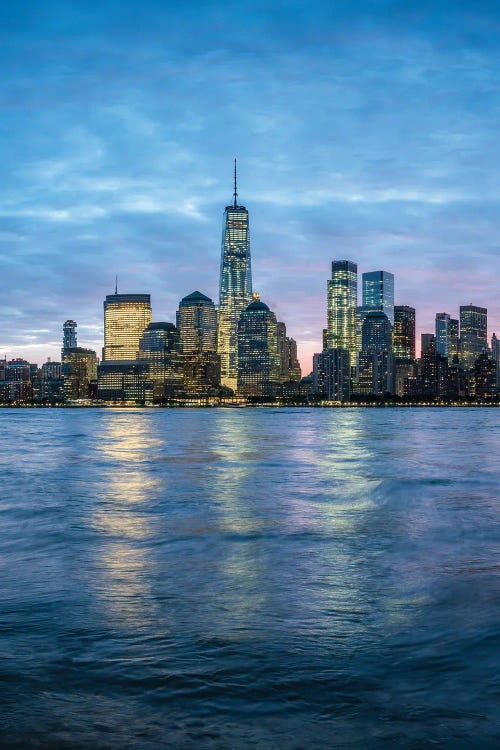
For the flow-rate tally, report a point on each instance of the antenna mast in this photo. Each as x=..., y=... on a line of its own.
x=235, y=194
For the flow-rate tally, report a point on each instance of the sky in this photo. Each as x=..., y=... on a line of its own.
x=364, y=130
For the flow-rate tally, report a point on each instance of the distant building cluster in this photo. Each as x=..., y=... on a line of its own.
x=238, y=349
x=369, y=349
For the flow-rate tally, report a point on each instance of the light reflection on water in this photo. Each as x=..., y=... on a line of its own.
x=249, y=578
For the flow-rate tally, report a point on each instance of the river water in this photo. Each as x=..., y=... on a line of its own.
x=249, y=578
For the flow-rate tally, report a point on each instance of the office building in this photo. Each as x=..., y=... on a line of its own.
x=124, y=381
x=495, y=355
x=433, y=371
x=403, y=335
x=332, y=374
x=235, y=285
x=473, y=333
x=485, y=378
x=258, y=358
x=376, y=361
x=79, y=371
x=446, y=335
x=125, y=318
x=342, y=308
x=69, y=337
x=427, y=343
x=160, y=353
x=378, y=292
x=197, y=323
x=287, y=352
x=51, y=382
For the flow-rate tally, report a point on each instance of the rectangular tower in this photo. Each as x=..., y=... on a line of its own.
x=403, y=337
x=473, y=333
x=378, y=292
x=125, y=318
x=342, y=299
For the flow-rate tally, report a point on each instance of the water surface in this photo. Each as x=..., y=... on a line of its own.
x=252, y=578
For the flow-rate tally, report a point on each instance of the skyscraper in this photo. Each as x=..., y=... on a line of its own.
x=376, y=361
x=258, y=358
x=79, y=369
x=473, y=333
x=235, y=285
x=69, y=337
x=446, y=335
x=342, y=292
x=403, y=336
x=159, y=348
x=442, y=333
x=125, y=318
x=197, y=323
x=332, y=374
x=495, y=354
x=378, y=292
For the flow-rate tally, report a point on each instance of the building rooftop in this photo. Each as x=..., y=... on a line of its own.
x=257, y=305
x=195, y=298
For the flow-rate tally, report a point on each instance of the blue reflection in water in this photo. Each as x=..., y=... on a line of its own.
x=249, y=578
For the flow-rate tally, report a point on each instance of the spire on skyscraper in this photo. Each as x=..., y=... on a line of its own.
x=235, y=194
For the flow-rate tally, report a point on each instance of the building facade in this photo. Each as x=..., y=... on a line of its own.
x=258, y=358
x=403, y=335
x=160, y=353
x=79, y=371
x=342, y=293
x=473, y=333
x=332, y=374
x=125, y=318
x=197, y=324
x=378, y=292
x=376, y=360
x=235, y=285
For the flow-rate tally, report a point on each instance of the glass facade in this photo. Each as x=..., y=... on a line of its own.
x=197, y=323
x=159, y=350
x=125, y=318
x=235, y=286
x=258, y=358
x=342, y=293
x=376, y=361
x=403, y=335
x=378, y=292
x=332, y=374
x=69, y=336
x=473, y=333
x=79, y=369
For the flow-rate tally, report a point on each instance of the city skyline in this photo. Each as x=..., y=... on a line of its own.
x=363, y=134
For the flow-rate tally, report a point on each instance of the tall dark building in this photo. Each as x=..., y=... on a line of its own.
x=69, y=337
x=79, y=370
x=378, y=292
x=403, y=335
x=433, y=372
x=473, y=333
x=332, y=374
x=197, y=324
x=485, y=377
x=159, y=350
x=376, y=360
x=258, y=358
x=235, y=285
